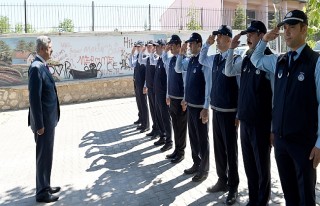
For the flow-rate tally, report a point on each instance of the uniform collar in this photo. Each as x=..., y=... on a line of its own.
x=299, y=50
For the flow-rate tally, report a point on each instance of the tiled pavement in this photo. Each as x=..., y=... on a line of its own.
x=100, y=159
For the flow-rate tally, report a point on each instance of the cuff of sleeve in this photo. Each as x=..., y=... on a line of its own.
x=206, y=105
x=318, y=143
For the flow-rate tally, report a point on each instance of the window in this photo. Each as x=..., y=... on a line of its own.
x=251, y=15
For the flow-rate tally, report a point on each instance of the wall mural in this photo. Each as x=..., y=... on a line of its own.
x=73, y=57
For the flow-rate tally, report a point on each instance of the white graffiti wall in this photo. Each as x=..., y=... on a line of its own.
x=74, y=57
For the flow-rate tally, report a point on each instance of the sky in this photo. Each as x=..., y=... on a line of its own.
x=114, y=2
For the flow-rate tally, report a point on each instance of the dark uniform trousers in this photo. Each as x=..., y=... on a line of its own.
x=225, y=138
x=163, y=117
x=44, y=155
x=255, y=143
x=199, y=139
x=152, y=106
x=137, y=100
x=142, y=106
x=300, y=179
x=179, y=124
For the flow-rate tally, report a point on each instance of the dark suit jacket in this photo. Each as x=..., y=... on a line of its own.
x=44, y=108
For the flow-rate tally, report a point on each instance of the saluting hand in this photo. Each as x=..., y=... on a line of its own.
x=143, y=49
x=211, y=39
x=271, y=35
x=183, y=49
x=167, y=48
x=204, y=116
x=235, y=41
x=315, y=155
x=133, y=50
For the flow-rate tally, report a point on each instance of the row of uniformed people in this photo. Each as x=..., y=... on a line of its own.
x=195, y=80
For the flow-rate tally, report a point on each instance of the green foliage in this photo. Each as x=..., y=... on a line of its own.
x=22, y=45
x=4, y=25
x=66, y=26
x=193, y=24
x=19, y=28
x=239, y=21
x=5, y=52
x=312, y=10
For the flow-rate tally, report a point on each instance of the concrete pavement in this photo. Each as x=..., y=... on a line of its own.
x=101, y=159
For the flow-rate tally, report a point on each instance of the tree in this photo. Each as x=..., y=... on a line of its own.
x=5, y=52
x=66, y=26
x=239, y=21
x=22, y=45
x=19, y=28
x=193, y=24
x=4, y=25
x=312, y=9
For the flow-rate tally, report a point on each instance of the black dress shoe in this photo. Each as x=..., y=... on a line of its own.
x=137, y=122
x=218, y=187
x=232, y=197
x=46, y=197
x=140, y=127
x=166, y=147
x=144, y=130
x=200, y=176
x=155, y=136
x=53, y=190
x=161, y=141
x=150, y=133
x=177, y=159
x=172, y=155
x=191, y=170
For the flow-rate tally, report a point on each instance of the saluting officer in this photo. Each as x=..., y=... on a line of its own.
x=296, y=111
x=175, y=93
x=139, y=84
x=254, y=113
x=149, y=76
x=160, y=89
x=196, y=97
x=224, y=97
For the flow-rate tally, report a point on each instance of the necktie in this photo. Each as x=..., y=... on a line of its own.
x=173, y=61
x=292, y=54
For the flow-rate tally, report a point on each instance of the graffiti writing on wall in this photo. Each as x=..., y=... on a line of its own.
x=73, y=57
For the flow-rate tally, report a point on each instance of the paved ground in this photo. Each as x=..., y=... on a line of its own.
x=100, y=159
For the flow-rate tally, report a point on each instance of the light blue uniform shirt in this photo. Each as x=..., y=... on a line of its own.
x=182, y=66
x=268, y=63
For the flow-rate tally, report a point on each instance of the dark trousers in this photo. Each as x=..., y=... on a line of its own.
x=199, y=139
x=44, y=154
x=297, y=175
x=137, y=100
x=179, y=124
x=142, y=106
x=163, y=116
x=255, y=142
x=226, y=148
x=152, y=107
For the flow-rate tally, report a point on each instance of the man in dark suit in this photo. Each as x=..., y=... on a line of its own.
x=43, y=117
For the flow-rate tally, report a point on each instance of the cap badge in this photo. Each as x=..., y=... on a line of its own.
x=289, y=15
